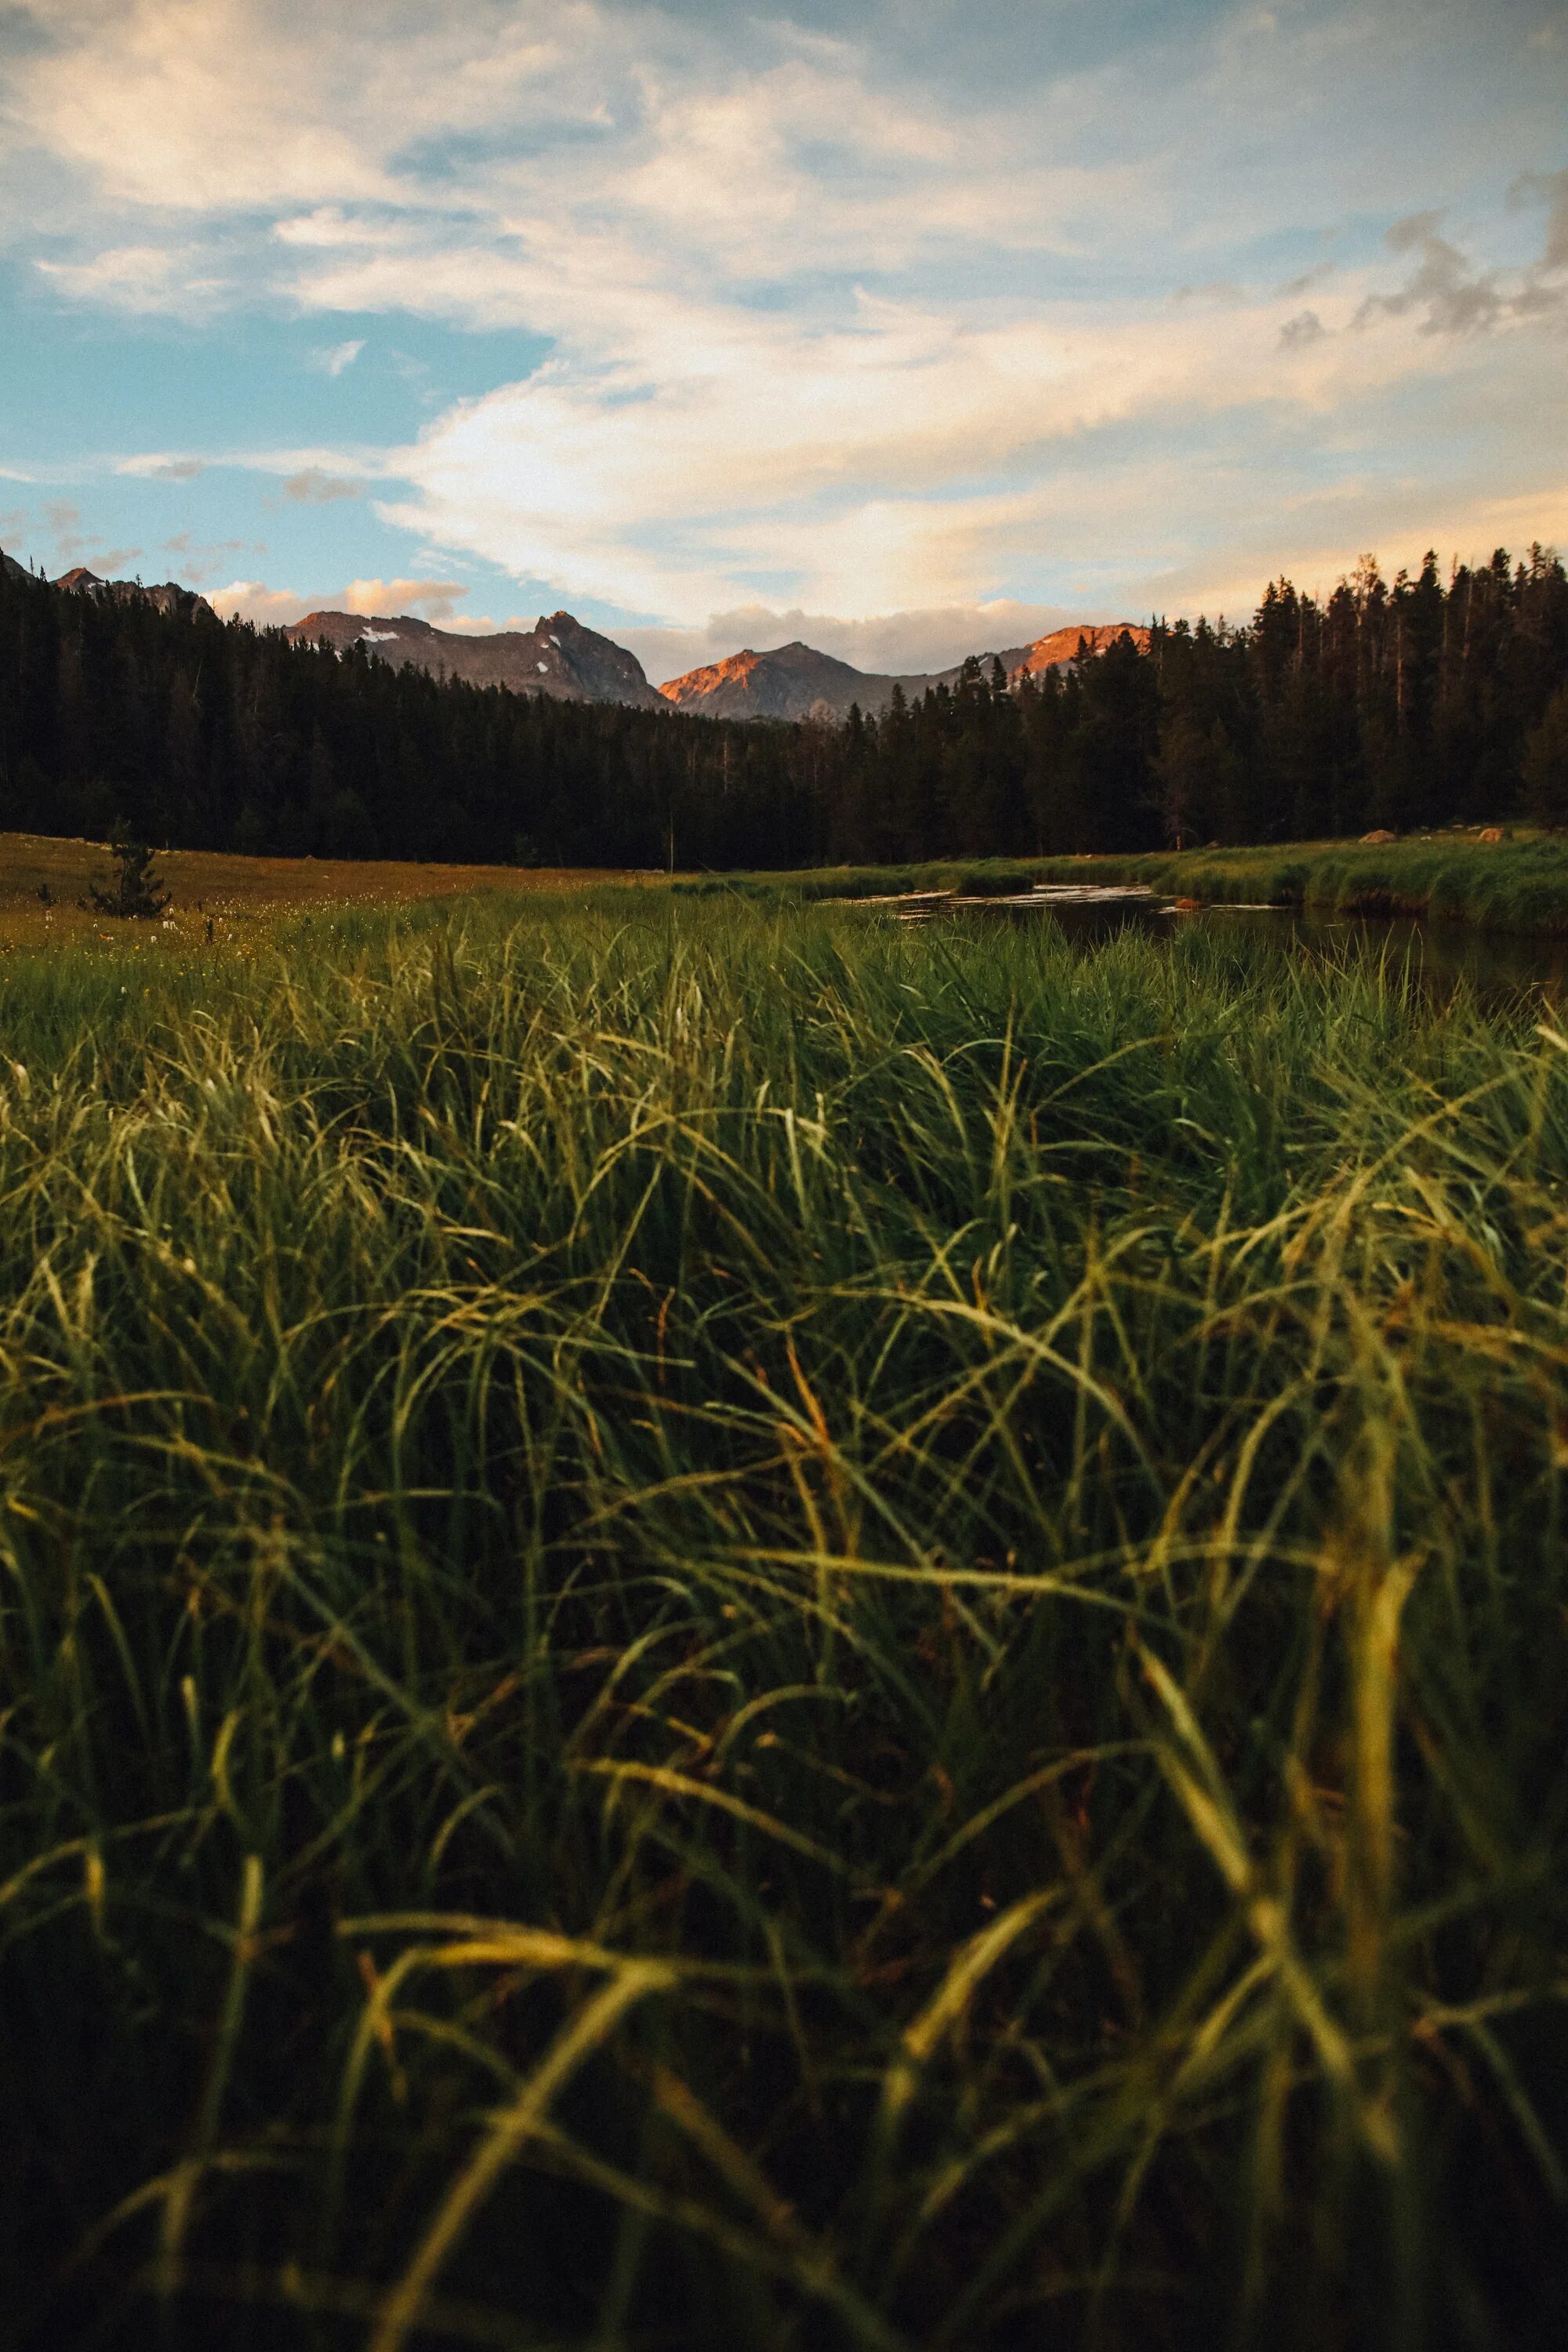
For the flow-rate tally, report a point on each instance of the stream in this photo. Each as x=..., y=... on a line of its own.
x=1491, y=960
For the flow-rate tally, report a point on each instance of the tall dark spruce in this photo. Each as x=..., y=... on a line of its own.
x=1414, y=702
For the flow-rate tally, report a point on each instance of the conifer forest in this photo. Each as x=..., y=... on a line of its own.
x=1418, y=702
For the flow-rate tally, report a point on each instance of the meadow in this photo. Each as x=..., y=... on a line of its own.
x=44, y=879
x=727, y=1626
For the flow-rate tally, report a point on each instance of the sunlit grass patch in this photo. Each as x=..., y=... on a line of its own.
x=42, y=879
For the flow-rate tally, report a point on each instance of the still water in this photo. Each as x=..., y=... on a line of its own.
x=1491, y=960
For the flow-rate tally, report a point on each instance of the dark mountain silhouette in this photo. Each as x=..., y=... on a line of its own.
x=166, y=596
x=561, y=656
x=557, y=657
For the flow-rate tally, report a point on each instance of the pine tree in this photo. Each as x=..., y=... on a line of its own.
x=1417, y=701
x=1544, y=764
x=133, y=890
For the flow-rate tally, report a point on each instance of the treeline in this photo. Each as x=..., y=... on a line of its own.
x=199, y=733
x=1418, y=702
x=1413, y=703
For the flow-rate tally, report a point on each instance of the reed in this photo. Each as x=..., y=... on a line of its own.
x=729, y=1627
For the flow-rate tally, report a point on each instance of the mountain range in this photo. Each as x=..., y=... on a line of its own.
x=90, y=584
x=562, y=658
x=797, y=682
x=557, y=657
x=166, y=594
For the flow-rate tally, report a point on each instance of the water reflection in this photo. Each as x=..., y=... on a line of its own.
x=1491, y=960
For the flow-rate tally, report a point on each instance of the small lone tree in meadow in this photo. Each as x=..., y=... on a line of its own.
x=133, y=887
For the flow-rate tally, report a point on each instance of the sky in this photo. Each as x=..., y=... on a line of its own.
x=908, y=327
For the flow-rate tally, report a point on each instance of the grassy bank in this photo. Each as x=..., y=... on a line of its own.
x=719, y=1633
x=1517, y=885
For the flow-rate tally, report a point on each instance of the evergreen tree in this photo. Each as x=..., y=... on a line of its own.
x=1419, y=702
x=1544, y=764
x=132, y=890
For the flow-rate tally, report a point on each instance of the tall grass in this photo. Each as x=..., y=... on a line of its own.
x=728, y=1630
x=1515, y=886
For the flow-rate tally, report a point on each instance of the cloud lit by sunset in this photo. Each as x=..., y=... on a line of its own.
x=889, y=319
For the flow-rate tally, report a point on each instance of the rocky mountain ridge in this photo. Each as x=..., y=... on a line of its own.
x=557, y=657
x=167, y=596
x=796, y=681
x=561, y=656
x=1059, y=648
x=793, y=681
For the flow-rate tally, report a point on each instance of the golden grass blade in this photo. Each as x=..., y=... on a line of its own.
x=508, y=2133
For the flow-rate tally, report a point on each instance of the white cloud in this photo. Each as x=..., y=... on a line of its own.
x=311, y=477
x=843, y=323
x=905, y=456
x=431, y=599
x=178, y=280
x=252, y=600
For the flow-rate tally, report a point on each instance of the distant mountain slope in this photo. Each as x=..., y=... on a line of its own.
x=166, y=594
x=12, y=569
x=557, y=657
x=1060, y=647
x=796, y=681
x=560, y=657
x=791, y=682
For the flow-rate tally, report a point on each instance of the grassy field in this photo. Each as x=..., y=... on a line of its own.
x=726, y=1630
x=236, y=893
x=1518, y=885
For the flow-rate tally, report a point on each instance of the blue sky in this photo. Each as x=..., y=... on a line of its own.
x=905, y=328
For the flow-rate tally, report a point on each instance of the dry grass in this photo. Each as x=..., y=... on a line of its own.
x=236, y=890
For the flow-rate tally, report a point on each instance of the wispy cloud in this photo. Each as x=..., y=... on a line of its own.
x=984, y=307
x=1452, y=295
x=431, y=599
x=1551, y=189
x=173, y=279
x=253, y=600
x=311, y=487
x=902, y=448
x=308, y=476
